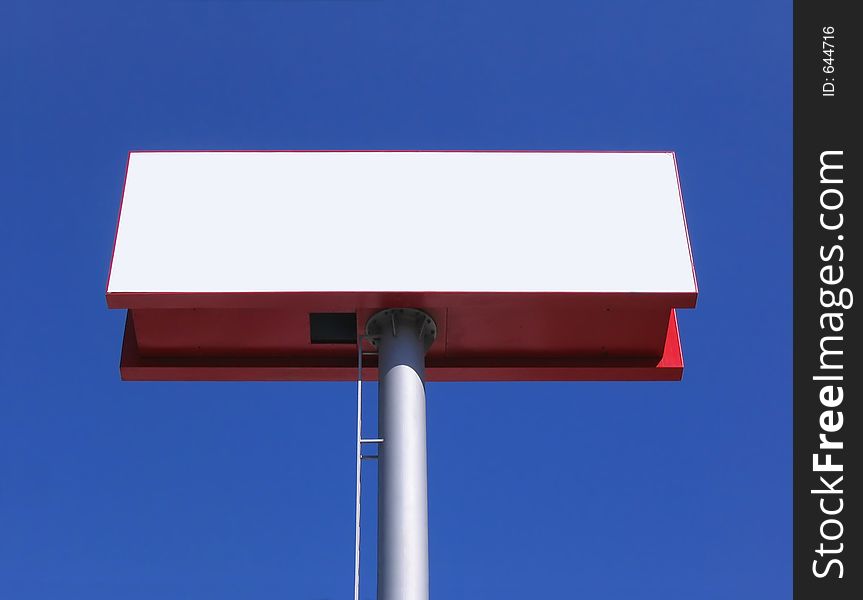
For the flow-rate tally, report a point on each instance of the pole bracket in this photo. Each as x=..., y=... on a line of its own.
x=422, y=323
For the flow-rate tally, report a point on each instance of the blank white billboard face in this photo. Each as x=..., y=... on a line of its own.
x=401, y=221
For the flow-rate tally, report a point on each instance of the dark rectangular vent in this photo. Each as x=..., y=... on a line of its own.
x=333, y=328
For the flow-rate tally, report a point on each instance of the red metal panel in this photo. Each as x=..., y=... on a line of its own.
x=667, y=367
x=348, y=300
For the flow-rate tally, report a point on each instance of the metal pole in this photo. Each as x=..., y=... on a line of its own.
x=403, y=335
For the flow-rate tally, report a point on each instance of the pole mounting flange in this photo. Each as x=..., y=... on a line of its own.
x=394, y=320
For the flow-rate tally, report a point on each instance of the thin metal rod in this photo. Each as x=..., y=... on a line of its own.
x=402, y=466
x=359, y=464
x=373, y=441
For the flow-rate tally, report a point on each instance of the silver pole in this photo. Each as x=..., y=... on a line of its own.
x=403, y=335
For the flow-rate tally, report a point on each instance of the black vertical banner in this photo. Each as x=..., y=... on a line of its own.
x=828, y=365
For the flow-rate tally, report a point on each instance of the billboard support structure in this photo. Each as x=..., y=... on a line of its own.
x=203, y=310
x=402, y=336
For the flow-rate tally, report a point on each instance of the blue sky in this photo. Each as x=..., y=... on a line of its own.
x=537, y=490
